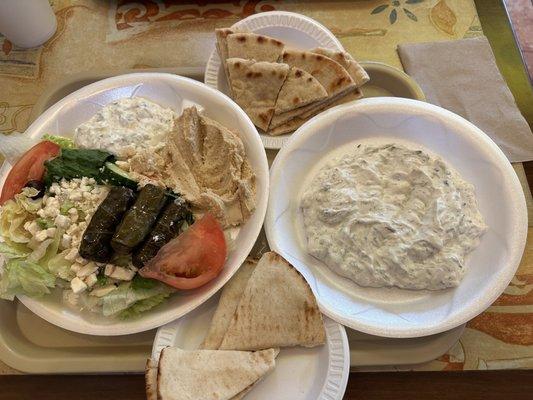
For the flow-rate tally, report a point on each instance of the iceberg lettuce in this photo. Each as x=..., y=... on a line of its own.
x=24, y=277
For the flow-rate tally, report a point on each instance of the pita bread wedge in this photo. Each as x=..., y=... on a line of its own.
x=253, y=47
x=331, y=75
x=298, y=121
x=345, y=59
x=300, y=89
x=255, y=87
x=210, y=374
x=277, y=309
x=328, y=72
x=222, y=47
x=229, y=300
x=150, y=376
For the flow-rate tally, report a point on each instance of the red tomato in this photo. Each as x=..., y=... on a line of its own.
x=30, y=167
x=192, y=259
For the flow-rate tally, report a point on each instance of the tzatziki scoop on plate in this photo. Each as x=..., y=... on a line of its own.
x=388, y=207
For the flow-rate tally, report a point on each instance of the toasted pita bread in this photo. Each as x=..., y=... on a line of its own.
x=222, y=48
x=277, y=309
x=298, y=121
x=331, y=75
x=300, y=89
x=253, y=47
x=255, y=87
x=150, y=376
x=229, y=300
x=345, y=59
x=210, y=374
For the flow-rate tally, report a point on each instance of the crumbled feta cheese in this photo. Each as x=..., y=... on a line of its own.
x=66, y=241
x=62, y=221
x=109, y=268
x=51, y=232
x=72, y=254
x=76, y=268
x=75, y=196
x=87, y=270
x=102, y=291
x=81, y=260
x=41, y=235
x=78, y=285
x=91, y=280
x=31, y=227
x=122, y=274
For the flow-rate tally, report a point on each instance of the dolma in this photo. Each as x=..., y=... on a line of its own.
x=96, y=241
x=168, y=226
x=139, y=219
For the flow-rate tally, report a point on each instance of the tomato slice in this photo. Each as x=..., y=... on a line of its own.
x=191, y=259
x=29, y=167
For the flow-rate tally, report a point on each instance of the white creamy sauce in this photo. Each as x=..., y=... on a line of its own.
x=389, y=215
x=125, y=126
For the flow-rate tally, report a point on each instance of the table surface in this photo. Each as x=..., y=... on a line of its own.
x=507, y=334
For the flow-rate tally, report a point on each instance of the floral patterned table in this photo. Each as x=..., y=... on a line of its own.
x=102, y=35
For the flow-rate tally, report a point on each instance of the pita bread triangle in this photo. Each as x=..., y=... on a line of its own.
x=277, y=309
x=331, y=75
x=229, y=300
x=344, y=58
x=150, y=376
x=210, y=374
x=299, y=120
x=253, y=47
x=255, y=87
x=222, y=48
x=300, y=89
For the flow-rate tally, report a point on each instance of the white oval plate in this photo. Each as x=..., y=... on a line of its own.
x=394, y=312
x=177, y=93
x=300, y=373
x=294, y=29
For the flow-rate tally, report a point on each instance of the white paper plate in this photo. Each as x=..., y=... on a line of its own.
x=300, y=373
x=177, y=93
x=296, y=30
x=394, y=312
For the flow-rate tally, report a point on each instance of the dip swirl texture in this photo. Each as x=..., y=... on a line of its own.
x=389, y=215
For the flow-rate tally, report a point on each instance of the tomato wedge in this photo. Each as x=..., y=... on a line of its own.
x=29, y=167
x=191, y=259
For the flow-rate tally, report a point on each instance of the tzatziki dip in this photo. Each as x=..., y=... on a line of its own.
x=125, y=126
x=389, y=215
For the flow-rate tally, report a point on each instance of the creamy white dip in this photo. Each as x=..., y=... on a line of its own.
x=389, y=215
x=125, y=126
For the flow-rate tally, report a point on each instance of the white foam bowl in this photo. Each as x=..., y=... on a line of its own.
x=394, y=312
x=177, y=93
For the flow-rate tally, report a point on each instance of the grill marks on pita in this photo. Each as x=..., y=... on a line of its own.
x=317, y=79
x=255, y=87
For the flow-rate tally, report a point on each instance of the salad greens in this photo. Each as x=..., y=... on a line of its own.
x=125, y=296
x=63, y=142
x=26, y=277
x=143, y=305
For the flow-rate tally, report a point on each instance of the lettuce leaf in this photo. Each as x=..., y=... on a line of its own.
x=24, y=277
x=125, y=296
x=141, y=306
x=63, y=142
x=14, y=214
x=59, y=266
x=11, y=252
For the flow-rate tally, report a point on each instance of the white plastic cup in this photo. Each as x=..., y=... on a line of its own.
x=27, y=23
